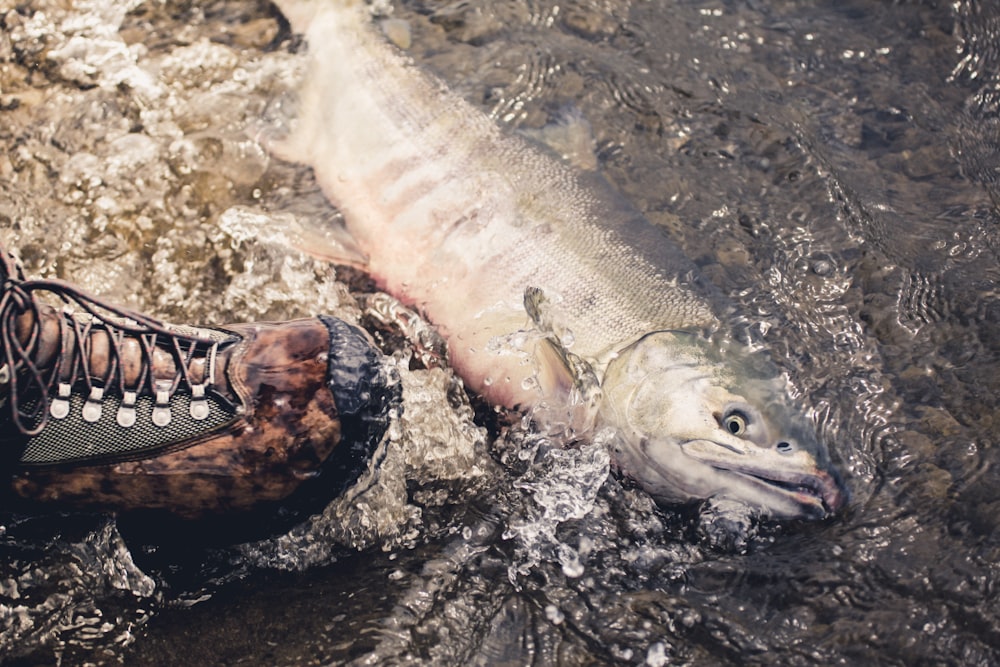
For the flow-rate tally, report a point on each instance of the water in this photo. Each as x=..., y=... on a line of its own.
x=831, y=166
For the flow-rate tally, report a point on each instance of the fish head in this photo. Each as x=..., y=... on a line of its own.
x=696, y=421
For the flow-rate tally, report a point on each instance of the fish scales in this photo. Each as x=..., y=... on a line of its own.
x=480, y=228
x=481, y=214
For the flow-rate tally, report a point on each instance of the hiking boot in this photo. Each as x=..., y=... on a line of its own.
x=107, y=408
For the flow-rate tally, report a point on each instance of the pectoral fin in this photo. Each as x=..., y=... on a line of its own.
x=544, y=312
x=328, y=241
x=561, y=372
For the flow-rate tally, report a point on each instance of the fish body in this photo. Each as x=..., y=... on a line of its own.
x=535, y=273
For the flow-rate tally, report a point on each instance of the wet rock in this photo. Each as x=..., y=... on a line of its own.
x=918, y=444
x=592, y=22
x=398, y=32
x=255, y=34
x=471, y=23
x=938, y=422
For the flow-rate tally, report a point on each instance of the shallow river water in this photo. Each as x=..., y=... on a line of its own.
x=834, y=167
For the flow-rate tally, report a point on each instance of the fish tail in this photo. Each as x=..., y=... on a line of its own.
x=320, y=21
x=301, y=13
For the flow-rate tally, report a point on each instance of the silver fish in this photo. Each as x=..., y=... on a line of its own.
x=553, y=293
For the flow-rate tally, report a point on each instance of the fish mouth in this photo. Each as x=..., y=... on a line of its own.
x=814, y=492
x=819, y=494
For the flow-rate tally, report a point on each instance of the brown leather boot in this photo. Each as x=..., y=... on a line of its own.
x=108, y=408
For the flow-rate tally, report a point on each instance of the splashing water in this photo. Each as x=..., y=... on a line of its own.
x=828, y=166
x=423, y=446
x=561, y=486
x=58, y=597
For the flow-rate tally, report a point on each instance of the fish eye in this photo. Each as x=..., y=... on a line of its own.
x=735, y=422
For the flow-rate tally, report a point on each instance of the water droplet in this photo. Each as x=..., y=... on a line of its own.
x=656, y=656
x=822, y=267
x=554, y=614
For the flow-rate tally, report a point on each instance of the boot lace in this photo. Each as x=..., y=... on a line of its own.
x=27, y=382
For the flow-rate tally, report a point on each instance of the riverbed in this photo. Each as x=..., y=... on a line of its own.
x=832, y=167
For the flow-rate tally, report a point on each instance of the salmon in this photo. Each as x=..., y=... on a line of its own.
x=554, y=294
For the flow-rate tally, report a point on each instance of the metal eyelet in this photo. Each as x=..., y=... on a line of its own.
x=126, y=411
x=199, y=404
x=59, y=408
x=92, y=408
x=161, y=409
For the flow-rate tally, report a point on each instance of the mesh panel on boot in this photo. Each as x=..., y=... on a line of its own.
x=74, y=440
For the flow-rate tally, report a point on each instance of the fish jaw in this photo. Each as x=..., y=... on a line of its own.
x=693, y=424
x=791, y=485
x=699, y=481
x=456, y=219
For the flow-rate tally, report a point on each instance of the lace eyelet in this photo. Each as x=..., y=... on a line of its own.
x=126, y=411
x=92, y=408
x=199, y=409
x=59, y=408
x=161, y=409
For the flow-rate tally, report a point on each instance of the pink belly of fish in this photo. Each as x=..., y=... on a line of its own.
x=457, y=217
